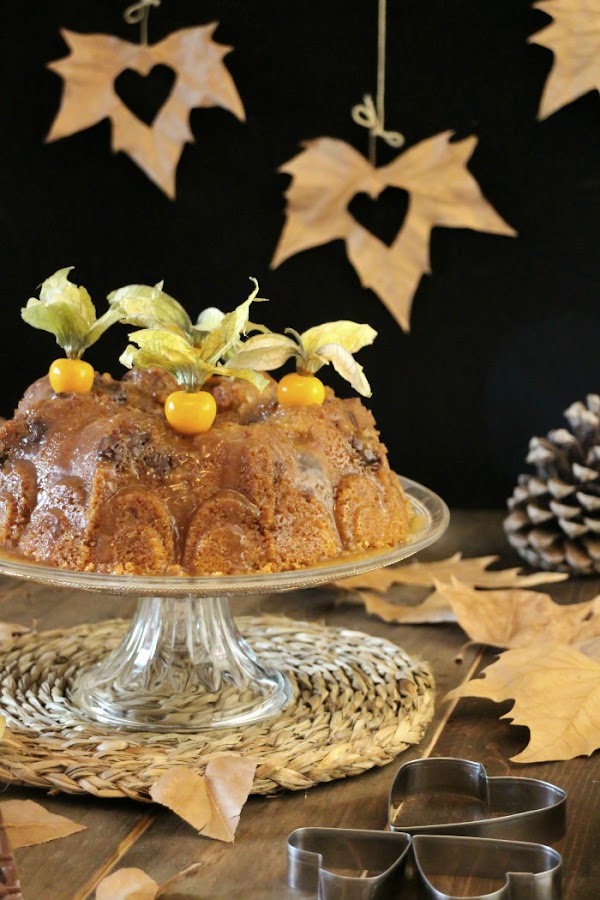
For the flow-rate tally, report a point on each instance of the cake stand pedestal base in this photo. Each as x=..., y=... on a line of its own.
x=182, y=666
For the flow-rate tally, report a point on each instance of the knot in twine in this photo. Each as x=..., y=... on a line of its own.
x=137, y=11
x=366, y=114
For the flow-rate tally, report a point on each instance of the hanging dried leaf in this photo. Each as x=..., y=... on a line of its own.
x=211, y=802
x=519, y=618
x=89, y=73
x=589, y=647
x=328, y=174
x=574, y=38
x=556, y=693
x=468, y=571
x=28, y=823
x=127, y=884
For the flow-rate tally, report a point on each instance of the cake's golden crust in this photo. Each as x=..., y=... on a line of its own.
x=99, y=482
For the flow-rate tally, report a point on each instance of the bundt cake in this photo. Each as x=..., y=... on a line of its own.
x=99, y=482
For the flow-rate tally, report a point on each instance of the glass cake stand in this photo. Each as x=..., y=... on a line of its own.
x=183, y=665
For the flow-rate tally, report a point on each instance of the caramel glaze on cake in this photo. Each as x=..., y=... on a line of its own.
x=99, y=481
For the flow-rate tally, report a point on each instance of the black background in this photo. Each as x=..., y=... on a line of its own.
x=505, y=332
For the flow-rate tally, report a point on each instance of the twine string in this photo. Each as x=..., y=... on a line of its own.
x=140, y=12
x=369, y=114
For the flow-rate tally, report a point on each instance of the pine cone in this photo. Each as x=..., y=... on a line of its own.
x=554, y=519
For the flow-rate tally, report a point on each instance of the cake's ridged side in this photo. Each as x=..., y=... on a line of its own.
x=100, y=482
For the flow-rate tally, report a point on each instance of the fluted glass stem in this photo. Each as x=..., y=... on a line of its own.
x=182, y=666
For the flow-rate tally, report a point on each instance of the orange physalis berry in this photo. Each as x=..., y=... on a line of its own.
x=190, y=413
x=71, y=376
x=300, y=390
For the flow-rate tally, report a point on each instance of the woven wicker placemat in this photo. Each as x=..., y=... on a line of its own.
x=358, y=701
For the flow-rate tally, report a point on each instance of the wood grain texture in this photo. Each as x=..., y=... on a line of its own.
x=254, y=867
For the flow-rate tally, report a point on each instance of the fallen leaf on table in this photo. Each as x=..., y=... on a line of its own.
x=185, y=873
x=556, y=693
x=211, y=802
x=134, y=884
x=435, y=608
x=519, y=618
x=469, y=571
x=27, y=823
x=10, y=630
x=127, y=884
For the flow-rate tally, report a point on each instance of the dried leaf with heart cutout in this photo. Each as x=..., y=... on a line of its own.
x=574, y=38
x=212, y=802
x=27, y=823
x=89, y=96
x=329, y=173
x=556, y=693
x=520, y=618
x=589, y=647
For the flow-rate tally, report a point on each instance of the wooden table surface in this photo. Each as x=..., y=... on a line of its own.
x=123, y=833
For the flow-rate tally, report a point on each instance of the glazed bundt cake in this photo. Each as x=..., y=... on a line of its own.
x=98, y=481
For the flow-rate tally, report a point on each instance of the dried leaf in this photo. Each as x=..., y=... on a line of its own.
x=328, y=173
x=435, y=608
x=211, y=802
x=10, y=630
x=469, y=571
x=127, y=884
x=185, y=873
x=574, y=38
x=89, y=73
x=229, y=781
x=556, y=693
x=28, y=823
x=589, y=647
x=519, y=618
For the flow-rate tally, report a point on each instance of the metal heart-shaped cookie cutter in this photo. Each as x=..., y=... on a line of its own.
x=387, y=864
x=348, y=864
x=525, y=871
x=471, y=803
x=317, y=858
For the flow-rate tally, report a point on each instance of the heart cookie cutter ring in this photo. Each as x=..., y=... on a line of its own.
x=318, y=856
x=528, y=871
x=509, y=807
